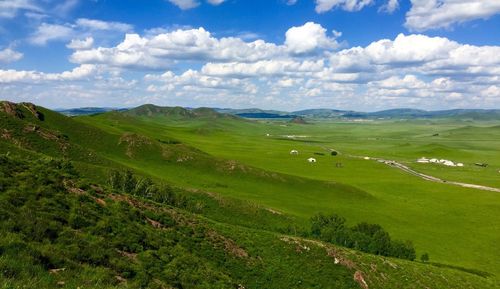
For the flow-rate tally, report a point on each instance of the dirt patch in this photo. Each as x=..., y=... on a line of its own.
x=70, y=187
x=154, y=223
x=11, y=109
x=340, y=259
x=274, y=211
x=100, y=202
x=229, y=245
x=299, y=246
x=133, y=141
x=358, y=277
x=129, y=255
x=182, y=159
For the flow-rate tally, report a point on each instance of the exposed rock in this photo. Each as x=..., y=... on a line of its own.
x=11, y=109
x=55, y=271
x=358, y=277
x=229, y=245
x=133, y=141
x=32, y=108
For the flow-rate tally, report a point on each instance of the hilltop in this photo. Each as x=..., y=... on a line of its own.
x=150, y=110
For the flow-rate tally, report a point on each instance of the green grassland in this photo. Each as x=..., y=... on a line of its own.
x=455, y=225
x=249, y=185
x=59, y=231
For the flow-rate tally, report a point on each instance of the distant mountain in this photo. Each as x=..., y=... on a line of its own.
x=181, y=112
x=176, y=112
x=321, y=113
x=86, y=110
x=250, y=111
x=484, y=114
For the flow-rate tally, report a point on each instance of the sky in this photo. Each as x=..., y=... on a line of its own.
x=362, y=55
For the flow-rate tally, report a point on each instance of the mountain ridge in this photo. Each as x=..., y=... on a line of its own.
x=396, y=113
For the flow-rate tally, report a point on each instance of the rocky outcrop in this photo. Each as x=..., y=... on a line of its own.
x=11, y=109
x=15, y=110
x=32, y=108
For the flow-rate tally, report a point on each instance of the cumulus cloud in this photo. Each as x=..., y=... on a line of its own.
x=78, y=44
x=193, y=67
x=23, y=76
x=163, y=49
x=432, y=14
x=193, y=45
x=309, y=38
x=427, y=55
x=8, y=55
x=262, y=68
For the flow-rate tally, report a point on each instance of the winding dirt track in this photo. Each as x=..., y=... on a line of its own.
x=434, y=179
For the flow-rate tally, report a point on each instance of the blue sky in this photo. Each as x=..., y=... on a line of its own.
x=280, y=54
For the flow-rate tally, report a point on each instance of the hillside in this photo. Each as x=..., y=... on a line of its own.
x=150, y=110
x=61, y=231
x=232, y=198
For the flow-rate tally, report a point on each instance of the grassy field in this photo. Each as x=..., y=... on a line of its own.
x=454, y=225
x=249, y=162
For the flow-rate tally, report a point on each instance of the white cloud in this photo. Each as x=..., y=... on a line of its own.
x=216, y=2
x=10, y=8
x=305, y=70
x=190, y=4
x=83, y=27
x=348, y=5
x=49, y=32
x=262, y=68
x=93, y=24
x=185, y=4
x=199, y=45
x=390, y=6
x=78, y=44
x=432, y=14
x=190, y=45
x=16, y=76
x=8, y=55
x=309, y=38
x=426, y=55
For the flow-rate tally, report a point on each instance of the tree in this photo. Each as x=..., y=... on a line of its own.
x=331, y=223
x=424, y=258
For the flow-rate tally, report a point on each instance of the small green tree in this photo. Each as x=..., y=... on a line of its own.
x=424, y=258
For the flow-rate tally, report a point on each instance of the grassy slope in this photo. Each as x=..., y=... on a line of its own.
x=444, y=220
x=104, y=239
x=289, y=194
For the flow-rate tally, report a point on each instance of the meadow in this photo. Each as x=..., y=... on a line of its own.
x=239, y=176
x=455, y=225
